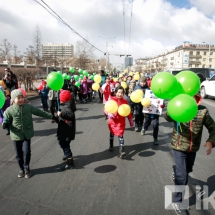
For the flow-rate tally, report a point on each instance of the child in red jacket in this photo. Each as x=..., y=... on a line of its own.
x=116, y=123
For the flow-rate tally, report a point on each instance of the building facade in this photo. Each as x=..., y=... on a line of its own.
x=51, y=50
x=186, y=55
x=128, y=62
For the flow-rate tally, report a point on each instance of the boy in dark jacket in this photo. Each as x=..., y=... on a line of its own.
x=185, y=143
x=66, y=127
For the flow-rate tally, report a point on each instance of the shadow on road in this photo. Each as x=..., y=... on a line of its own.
x=91, y=117
x=105, y=169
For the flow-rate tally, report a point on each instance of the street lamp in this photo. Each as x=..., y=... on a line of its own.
x=209, y=55
x=107, y=55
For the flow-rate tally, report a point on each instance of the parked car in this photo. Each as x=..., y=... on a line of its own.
x=207, y=87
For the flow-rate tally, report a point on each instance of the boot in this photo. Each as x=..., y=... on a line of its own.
x=111, y=146
x=70, y=164
x=121, y=152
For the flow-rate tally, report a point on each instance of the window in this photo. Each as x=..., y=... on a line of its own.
x=211, y=53
x=198, y=53
x=210, y=66
x=191, y=52
x=203, y=65
x=204, y=59
x=205, y=53
x=210, y=60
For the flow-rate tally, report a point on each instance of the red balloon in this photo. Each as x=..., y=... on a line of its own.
x=23, y=92
x=40, y=87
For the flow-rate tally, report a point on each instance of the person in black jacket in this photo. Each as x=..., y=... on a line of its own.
x=66, y=127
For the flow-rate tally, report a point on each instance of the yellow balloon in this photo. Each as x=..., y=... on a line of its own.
x=136, y=77
x=125, y=71
x=95, y=86
x=125, y=79
x=111, y=106
x=120, y=75
x=145, y=102
x=123, y=84
x=97, y=78
x=131, y=73
x=136, y=96
x=140, y=93
x=115, y=79
x=124, y=110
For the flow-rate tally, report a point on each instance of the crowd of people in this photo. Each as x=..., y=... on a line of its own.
x=17, y=119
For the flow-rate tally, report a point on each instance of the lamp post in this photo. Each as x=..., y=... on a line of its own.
x=209, y=54
x=107, y=55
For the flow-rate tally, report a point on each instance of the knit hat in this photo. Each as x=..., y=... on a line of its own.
x=15, y=93
x=65, y=96
x=143, y=79
x=44, y=83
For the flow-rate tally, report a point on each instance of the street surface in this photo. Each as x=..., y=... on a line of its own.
x=101, y=183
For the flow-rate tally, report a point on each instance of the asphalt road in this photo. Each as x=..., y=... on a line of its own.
x=101, y=183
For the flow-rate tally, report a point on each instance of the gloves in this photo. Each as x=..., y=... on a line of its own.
x=131, y=122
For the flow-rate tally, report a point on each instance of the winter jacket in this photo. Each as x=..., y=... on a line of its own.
x=84, y=88
x=67, y=123
x=117, y=123
x=131, y=87
x=44, y=92
x=139, y=87
x=52, y=95
x=20, y=120
x=103, y=80
x=188, y=137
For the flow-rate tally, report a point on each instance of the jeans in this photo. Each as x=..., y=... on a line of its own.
x=23, y=153
x=138, y=115
x=65, y=145
x=184, y=162
x=155, y=122
x=120, y=138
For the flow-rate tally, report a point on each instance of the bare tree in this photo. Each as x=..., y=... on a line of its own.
x=84, y=54
x=16, y=54
x=5, y=49
x=37, y=41
x=30, y=55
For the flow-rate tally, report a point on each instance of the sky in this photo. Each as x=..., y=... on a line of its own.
x=154, y=27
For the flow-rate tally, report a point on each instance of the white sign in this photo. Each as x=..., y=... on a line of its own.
x=155, y=104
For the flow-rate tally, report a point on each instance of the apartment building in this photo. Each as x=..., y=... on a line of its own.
x=187, y=55
x=64, y=50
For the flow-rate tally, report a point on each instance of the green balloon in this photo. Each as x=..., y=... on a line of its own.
x=55, y=81
x=2, y=99
x=85, y=73
x=91, y=77
x=80, y=71
x=78, y=84
x=76, y=77
x=64, y=76
x=81, y=77
x=72, y=69
x=182, y=108
x=163, y=84
x=59, y=72
x=68, y=77
x=189, y=81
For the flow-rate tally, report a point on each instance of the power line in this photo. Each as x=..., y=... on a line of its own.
x=123, y=8
x=130, y=26
x=56, y=16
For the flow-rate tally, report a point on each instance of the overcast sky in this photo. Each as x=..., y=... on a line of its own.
x=156, y=25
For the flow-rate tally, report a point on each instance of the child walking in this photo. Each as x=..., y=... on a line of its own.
x=116, y=123
x=18, y=117
x=66, y=127
x=185, y=143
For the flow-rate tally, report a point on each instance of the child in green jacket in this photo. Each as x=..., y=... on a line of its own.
x=18, y=117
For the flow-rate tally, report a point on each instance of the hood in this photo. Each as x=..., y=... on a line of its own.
x=198, y=99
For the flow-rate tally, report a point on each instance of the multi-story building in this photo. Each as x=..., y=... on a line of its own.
x=186, y=55
x=64, y=50
x=128, y=61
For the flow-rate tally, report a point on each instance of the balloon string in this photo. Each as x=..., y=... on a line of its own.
x=180, y=127
x=177, y=125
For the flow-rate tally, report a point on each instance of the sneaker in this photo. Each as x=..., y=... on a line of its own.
x=27, y=173
x=70, y=164
x=173, y=173
x=136, y=129
x=176, y=207
x=122, y=154
x=21, y=174
x=156, y=141
x=142, y=132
